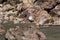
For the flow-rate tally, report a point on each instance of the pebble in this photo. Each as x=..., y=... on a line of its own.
x=16, y=21
x=31, y=18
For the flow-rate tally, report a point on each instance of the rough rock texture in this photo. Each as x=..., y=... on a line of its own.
x=24, y=33
x=40, y=12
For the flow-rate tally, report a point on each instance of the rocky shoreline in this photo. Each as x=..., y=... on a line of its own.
x=32, y=12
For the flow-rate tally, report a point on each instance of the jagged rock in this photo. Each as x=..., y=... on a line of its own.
x=56, y=10
x=42, y=17
x=7, y=7
x=24, y=33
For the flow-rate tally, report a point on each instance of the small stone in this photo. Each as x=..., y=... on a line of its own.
x=16, y=21
x=31, y=18
x=20, y=19
x=57, y=22
x=11, y=18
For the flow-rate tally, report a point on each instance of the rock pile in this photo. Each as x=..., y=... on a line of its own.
x=43, y=12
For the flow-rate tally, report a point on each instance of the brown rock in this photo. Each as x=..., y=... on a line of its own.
x=7, y=7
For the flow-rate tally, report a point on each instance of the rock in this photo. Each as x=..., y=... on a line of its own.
x=15, y=21
x=5, y=21
x=2, y=30
x=6, y=18
x=31, y=12
x=56, y=21
x=1, y=9
x=27, y=3
x=11, y=18
x=42, y=17
x=1, y=21
x=26, y=33
x=31, y=18
x=7, y=7
x=57, y=7
x=1, y=16
x=56, y=10
x=20, y=7
x=50, y=6
x=1, y=5
x=14, y=2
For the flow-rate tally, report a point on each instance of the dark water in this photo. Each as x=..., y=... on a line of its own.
x=52, y=32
